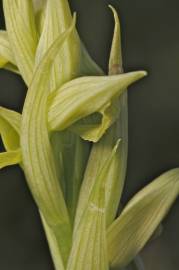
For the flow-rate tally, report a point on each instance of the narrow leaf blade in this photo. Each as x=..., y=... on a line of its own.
x=66, y=66
x=37, y=156
x=133, y=228
x=90, y=232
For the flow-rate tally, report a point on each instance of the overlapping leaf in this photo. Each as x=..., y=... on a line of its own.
x=139, y=219
x=89, y=244
x=37, y=157
x=66, y=66
x=90, y=234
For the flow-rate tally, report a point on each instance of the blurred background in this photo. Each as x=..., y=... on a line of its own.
x=150, y=34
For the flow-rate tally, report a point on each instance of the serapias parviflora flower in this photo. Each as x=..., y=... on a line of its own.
x=77, y=185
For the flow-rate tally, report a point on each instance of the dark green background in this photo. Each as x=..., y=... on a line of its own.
x=150, y=31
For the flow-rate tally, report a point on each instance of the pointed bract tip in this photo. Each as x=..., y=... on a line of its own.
x=113, y=11
x=140, y=74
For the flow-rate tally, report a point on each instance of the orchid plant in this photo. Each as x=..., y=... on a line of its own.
x=71, y=140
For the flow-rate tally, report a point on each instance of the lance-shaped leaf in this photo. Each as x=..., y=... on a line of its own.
x=22, y=34
x=90, y=234
x=37, y=156
x=10, y=128
x=10, y=158
x=85, y=96
x=115, y=177
x=68, y=148
x=67, y=64
x=139, y=219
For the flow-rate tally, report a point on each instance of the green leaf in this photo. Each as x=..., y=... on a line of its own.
x=10, y=128
x=90, y=234
x=10, y=158
x=84, y=96
x=114, y=178
x=22, y=34
x=37, y=156
x=129, y=233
